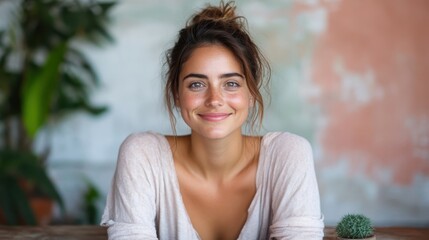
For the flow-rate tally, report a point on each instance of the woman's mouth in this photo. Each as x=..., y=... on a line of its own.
x=214, y=117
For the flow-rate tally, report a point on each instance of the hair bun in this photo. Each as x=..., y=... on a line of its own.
x=223, y=12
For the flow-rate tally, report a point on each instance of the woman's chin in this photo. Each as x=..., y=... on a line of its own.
x=215, y=134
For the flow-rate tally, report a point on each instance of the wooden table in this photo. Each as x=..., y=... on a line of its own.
x=98, y=233
x=393, y=233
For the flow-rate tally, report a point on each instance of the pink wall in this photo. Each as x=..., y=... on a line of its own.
x=372, y=67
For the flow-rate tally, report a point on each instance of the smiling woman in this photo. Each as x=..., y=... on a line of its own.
x=216, y=182
x=213, y=101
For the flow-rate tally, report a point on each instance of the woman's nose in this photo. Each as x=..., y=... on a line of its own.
x=214, y=98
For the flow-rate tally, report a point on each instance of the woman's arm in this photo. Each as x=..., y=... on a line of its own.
x=130, y=208
x=295, y=195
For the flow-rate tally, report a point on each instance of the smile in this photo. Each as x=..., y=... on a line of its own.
x=214, y=117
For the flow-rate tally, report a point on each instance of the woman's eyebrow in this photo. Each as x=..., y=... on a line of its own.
x=195, y=75
x=225, y=75
x=234, y=74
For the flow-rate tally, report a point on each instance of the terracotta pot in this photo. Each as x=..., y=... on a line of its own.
x=42, y=209
x=368, y=238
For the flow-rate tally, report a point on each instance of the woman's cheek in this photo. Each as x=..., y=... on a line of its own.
x=239, y=100
x=191, y=100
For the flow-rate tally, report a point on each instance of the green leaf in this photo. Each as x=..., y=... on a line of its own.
x=22, y=203
x=5, y=54
x=47, y=187
x=94, y=109
x=28, y=167
x=2, y=33
x=92, y=195
x=3, y=71
x=71, y=83
x=6, y=201
x=83, y=63
x=73, y=95
x=17, y=166
x=106, y=6
x=100, y=29
x=39, y=90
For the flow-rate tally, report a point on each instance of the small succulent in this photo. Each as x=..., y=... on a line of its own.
x=354, y=226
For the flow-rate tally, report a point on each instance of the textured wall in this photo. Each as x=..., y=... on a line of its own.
x=372, y=68
x=349, y=75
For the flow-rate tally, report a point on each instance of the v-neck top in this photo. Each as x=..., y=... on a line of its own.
x=145, y=202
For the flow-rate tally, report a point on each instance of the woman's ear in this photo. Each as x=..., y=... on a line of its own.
x=251, y=102
x=177, y=102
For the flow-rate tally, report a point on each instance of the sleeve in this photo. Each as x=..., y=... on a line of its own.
x=295, y=195
x=130, y=207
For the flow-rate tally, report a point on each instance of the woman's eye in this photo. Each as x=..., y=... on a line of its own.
x=232, y=85
x=196, y=85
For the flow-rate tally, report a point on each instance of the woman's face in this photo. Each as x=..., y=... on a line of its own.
x=214, y=99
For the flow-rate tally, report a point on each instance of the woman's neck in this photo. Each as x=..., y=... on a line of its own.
x=217, y=159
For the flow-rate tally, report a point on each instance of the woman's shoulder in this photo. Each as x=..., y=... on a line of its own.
x=142, y=139
x=286, y=153
x=143, y=143
x=143, y=151
x=285, y=140
x=287, y=146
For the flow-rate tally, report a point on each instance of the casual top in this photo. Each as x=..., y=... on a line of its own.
x=145, y=202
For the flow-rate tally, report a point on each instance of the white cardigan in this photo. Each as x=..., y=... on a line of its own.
x=145, y=202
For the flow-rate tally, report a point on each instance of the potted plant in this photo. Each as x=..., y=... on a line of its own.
x=355, y=226
x=43, y=76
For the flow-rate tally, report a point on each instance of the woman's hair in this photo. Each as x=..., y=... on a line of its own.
x=220, y=26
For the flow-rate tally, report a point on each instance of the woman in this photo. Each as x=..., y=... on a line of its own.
x=215, y=183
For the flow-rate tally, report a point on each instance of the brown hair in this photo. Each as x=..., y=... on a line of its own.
x=218, y=25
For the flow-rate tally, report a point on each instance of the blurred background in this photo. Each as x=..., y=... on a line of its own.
x=351, y=76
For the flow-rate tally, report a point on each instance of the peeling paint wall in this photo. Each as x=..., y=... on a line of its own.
x=352, y=76
x=372, y=67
